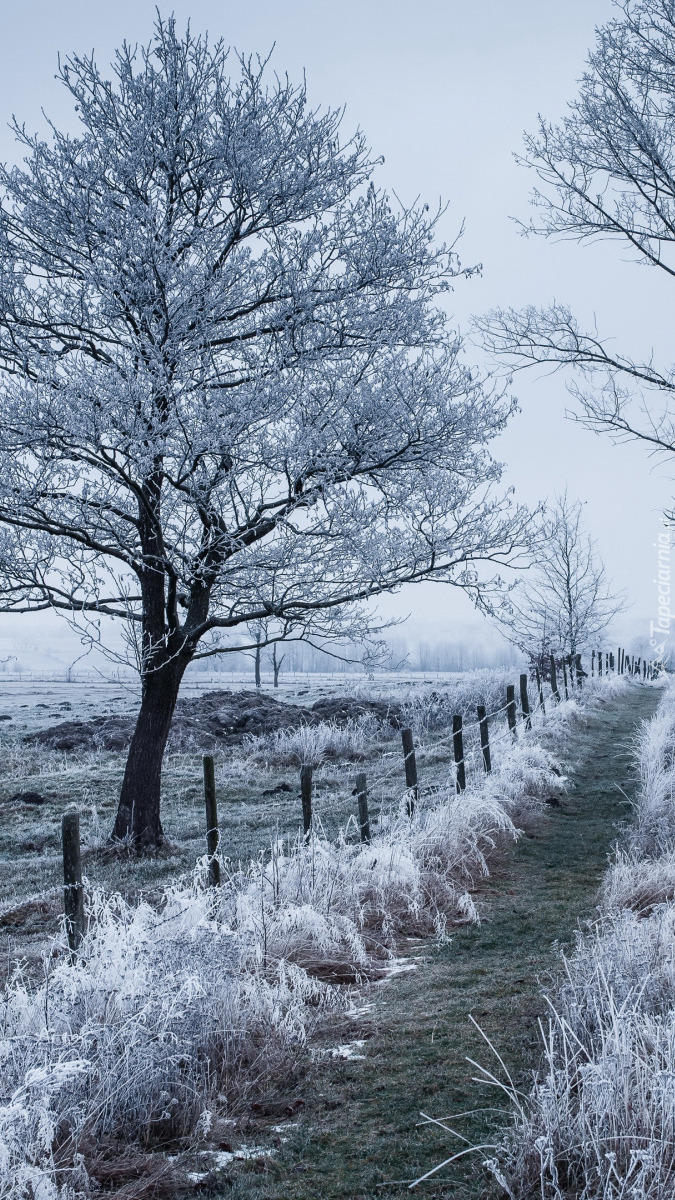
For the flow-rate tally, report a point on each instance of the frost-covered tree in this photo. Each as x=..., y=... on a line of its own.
x=227, y=389
x=607, y=171
x=564, y=601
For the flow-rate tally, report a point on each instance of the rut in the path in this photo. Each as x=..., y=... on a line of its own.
x=358, y=1129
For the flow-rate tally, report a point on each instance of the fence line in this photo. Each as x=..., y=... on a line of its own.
x=478, y=730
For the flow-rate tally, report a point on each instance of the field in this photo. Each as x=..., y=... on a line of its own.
x=250, y=817
x=280, y=973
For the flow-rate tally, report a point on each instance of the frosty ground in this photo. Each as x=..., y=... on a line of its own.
x=329, y=922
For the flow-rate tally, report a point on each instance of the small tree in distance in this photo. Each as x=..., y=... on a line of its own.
x=563, y=602
x=227, y=391
x=277, y=663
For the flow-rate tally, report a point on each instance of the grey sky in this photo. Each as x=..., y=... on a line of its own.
x=443, y=91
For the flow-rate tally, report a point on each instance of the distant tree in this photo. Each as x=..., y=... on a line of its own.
x=227, y=391
x=257, y=654
x=277, y=663
x=607, y=171
x=563, y=603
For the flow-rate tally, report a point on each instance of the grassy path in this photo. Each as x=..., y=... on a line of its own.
x=358, y=1127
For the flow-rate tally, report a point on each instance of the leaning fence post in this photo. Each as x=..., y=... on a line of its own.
x=540, y=689
x=361, y=790
x=525, y=702
x=73, y=894
x=554, y=681
x=410, y=769
x=484, y=737
x=511, y=708
x=458, y=747
x=212, y=832
x=306, y=794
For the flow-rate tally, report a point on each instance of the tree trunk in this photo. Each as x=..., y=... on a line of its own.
x=257, y=665
x=276, y=664
x=138, y=813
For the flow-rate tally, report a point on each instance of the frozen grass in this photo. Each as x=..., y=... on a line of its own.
x=166, y=1014
x=314, y=744
x=599, y=1123
x=194, y=1004
x=428, y=707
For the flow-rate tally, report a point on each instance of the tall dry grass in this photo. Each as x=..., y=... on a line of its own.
x=599, y=1123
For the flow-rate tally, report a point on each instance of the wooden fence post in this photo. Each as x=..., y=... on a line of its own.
x=458, y=748
x=306, y=774
x=361, y=790
x=410, y=763
x=511, y=709
x=599, y=664
x=580, y=673
x=611, y=661
x=540, y=690
x=525, y=702
x=484, y=737
x=567, y=695
x=592, y=663
x=212, y=832
x=554, y=681
x=73, y=894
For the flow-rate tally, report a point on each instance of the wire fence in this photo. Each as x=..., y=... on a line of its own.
x=471, y=751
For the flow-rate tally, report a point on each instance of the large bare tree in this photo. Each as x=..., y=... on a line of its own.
x=607, y=171
x=229, y=398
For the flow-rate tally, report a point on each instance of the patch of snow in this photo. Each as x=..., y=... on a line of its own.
x=348, y=1050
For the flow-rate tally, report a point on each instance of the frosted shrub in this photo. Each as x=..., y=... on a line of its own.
x=600, y=1121
x=313, y=744
x=164, y=1012
x=431, y=707
x=639, y=883
x=654, y=817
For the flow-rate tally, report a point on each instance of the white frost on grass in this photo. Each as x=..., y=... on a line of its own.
x=202, y=1000
x=600, y=1120
x=345, y=1050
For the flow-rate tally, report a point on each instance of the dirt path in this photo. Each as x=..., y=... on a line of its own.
x=358, y=1130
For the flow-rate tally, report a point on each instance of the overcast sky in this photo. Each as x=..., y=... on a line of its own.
x=443, y=90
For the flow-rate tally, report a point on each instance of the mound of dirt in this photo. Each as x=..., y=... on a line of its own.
x=99, y=733
x=213, y=720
